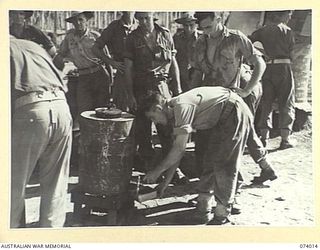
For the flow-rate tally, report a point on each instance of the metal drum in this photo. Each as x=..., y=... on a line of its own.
x=106, y=153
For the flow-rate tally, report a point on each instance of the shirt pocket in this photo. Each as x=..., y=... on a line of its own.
x=143, y=53
x=227, y=57
x=163, y=52
x=72, y=44
x=73, y=47
x=88, y=43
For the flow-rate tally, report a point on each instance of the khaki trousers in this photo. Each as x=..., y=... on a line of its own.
x=41, y=133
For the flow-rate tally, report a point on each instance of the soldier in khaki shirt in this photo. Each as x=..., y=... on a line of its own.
x=220, y=53
x=278, y=41
x=41, y=133
x=185, y=42
x=94, y=79
x=228, y=122
x=149, y=61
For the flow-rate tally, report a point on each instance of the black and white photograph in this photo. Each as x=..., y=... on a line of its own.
x=161, y=118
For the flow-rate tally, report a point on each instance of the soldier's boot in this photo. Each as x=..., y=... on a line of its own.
x=203, y=212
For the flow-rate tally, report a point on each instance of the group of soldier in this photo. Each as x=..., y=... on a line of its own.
x=206, y=81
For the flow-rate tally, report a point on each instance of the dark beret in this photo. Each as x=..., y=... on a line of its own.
x=203, y=15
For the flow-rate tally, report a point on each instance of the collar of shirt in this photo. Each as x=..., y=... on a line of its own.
x=225, y=32
x=157, y=27
x=196, y=34
x=159, y=35
x=86, y=33
x=168, y=110
x=129, y=27
x=283, y=25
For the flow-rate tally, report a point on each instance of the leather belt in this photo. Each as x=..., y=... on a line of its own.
x=39, y=96
x=152, y=76
x=89, y=70
x=279, y=61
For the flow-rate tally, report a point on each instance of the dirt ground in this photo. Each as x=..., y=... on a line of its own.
x=286, y=201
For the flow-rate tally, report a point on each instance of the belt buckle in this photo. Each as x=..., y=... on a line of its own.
x=270, y=61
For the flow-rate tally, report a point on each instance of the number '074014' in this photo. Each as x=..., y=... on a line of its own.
x=308, y=245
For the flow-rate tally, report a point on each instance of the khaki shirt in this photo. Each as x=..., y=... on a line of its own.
x=185, y=46
x=32, y=69
x=277, y=40
x=198, y=109
x=79, y=49
x=114, y=36
x=36, y=35
x=223, y=69
x=150, y=58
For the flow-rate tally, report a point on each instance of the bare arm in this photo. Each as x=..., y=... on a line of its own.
x=59, y=58
x=254, y=58
x=196, y=79
x=58, y=61
x=129, y=82
x=175, y=73
x=171, y=161
x=259, y=66
x=258, y=70
x=106, y=58
x=168, y=177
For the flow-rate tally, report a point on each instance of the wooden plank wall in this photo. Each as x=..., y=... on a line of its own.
x=54, y=21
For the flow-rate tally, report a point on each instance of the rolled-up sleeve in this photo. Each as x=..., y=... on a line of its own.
x=291, y=40
x=184, y=116
x=255, y=36
x=247, y=49
x=14, y=57
x=41, y=38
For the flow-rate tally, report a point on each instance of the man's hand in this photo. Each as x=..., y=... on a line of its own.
x=132, y=103
x=70, y=69
x=151, y=176
x=119, y=66
x=241, y=92
x=162, y=187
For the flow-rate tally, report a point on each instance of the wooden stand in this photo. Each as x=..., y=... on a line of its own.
x=117, y=207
